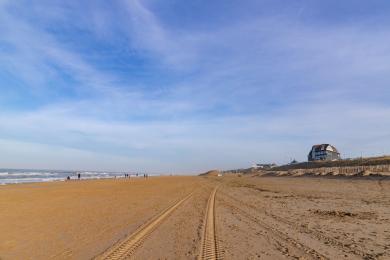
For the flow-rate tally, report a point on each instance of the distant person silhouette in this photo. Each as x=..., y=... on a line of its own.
x=79, y=176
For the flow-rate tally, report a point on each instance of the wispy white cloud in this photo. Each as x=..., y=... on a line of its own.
x=146, y=32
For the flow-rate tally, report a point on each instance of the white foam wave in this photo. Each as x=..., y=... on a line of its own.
x=43, y=174
x=29, y=180
x=20, y=176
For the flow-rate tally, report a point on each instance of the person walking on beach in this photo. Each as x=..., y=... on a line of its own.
x=78, y=176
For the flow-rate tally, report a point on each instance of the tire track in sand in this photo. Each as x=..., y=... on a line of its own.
x=277, y=235
x=126, y=248
x=342, y=247
x=210, y=249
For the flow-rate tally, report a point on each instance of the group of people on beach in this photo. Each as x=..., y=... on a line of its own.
x=78, y=177
x=127, y=175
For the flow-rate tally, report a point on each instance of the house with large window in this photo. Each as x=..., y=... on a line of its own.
x=323, y=152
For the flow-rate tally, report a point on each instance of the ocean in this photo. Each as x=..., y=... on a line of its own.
x=12, y=176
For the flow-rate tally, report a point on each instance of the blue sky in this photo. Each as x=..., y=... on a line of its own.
x=187, y=86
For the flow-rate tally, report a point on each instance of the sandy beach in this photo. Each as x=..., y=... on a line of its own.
x=308, y=218
x=255, y=217
x=80, y=219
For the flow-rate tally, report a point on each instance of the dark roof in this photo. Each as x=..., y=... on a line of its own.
x=323, y=147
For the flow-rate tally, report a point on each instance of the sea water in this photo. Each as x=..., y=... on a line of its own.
x=10, y=176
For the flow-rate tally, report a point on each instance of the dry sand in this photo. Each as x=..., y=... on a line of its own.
x=277, y=218
x=80, y=219
x=255, y=217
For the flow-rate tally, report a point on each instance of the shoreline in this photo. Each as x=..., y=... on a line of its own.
x=49, y=180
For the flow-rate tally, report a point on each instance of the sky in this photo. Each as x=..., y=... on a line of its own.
x=186, y=86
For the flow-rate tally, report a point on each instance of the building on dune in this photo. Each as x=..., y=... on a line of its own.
x=263, y=165
x=323, y=152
